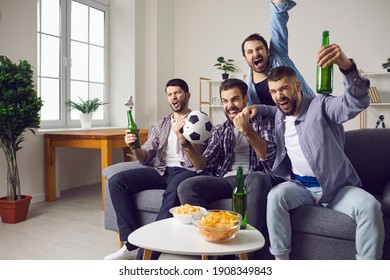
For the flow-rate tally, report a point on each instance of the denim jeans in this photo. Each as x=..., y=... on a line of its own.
x=123, y=185
x=352, y=201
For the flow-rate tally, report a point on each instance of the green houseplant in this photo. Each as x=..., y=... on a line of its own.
x=86, y=108
x=386, y=65
x=225, y=65
x=19, y=111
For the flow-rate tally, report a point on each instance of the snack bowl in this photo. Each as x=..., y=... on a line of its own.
x=183, y=214
x=217, y=225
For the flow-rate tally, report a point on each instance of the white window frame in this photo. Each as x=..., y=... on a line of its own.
x=65, y=120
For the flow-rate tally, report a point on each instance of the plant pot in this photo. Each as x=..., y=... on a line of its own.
x=225, y=76
x=14, y=211
x=86, y=121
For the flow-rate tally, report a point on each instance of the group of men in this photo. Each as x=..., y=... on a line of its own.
x=288, y=141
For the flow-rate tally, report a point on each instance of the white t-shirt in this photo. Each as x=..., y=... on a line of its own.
x=172, y=155
x=300, y=166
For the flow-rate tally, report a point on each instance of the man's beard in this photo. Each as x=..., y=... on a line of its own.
x=293, y=105
x=227, y=114
x=262, y=70
x=183, y=104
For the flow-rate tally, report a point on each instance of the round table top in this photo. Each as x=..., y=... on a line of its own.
x=170, y=236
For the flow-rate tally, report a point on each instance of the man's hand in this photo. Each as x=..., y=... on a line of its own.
x=241, y=122
x=278, y=1
x=129, y=138
x=178, y=128
x=250, y=110
x=333, y=54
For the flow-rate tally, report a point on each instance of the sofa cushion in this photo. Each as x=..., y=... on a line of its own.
x=149, y=200
x=322, y=221
x=111, y=170
x=369, y=152
x=386, y=200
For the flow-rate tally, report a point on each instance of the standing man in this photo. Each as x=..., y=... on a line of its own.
x=310, y=156
x=262, y=59
x=237, y=142
x=171, y=167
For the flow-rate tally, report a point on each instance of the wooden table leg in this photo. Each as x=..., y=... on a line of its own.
x=106, y=160
x=243, y=256
x=147, y=254
x=50, y=170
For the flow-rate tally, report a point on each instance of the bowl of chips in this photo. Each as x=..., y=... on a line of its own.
x=217, y=225
x=183, y=213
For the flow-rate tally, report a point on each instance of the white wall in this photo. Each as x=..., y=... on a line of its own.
x=182, y=38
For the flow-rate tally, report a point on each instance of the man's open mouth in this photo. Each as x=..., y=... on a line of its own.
x=258, y=62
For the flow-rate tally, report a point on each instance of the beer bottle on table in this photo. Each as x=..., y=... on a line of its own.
x=239, y=201
x=133, y=130
x=325, y=75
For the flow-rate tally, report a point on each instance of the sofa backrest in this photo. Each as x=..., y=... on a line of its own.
x=369, y=151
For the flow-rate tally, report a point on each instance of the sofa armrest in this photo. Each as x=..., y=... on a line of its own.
x=111, y=170
x=386, y=199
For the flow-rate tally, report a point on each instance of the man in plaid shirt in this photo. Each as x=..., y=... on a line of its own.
x=240, y=141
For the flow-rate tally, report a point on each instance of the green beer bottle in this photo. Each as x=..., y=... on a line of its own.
x=325, y=75
x=239, y=202
x=133, y=130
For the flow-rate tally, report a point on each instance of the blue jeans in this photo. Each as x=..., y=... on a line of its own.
x=124, y=185
x=352, y=201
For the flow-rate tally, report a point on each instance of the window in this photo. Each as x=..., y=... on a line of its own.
x=72, y=59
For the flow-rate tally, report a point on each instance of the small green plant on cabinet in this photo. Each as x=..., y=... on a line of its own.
x=85, y=107
x=386, y=65
x=225, y=65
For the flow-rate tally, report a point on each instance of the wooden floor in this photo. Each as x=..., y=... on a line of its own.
x=70, y=228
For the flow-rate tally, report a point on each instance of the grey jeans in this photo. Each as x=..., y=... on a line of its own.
x=203, y=190
x=352, y=201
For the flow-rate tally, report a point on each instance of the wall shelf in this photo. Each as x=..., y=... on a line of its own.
x=209, y=100
x=382, y=81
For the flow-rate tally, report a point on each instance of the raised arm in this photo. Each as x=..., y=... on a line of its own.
x=355, y=99
x=278, y=26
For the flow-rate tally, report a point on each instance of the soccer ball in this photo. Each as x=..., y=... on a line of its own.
x=198, y=127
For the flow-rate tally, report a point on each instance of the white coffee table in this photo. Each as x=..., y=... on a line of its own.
x=169, y=236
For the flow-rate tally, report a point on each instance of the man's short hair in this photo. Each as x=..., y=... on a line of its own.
x=234, y=83
x=177, y=83
x=254, y=37
x=280, y=72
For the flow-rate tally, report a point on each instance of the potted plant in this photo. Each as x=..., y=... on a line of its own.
x=226, y=66
x=19, y=111
x=86, y=108
x=386, y=65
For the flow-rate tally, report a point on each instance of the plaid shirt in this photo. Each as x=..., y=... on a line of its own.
x=156, y=145
x=219, y=152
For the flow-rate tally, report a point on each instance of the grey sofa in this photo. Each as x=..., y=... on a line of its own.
x=317, y=233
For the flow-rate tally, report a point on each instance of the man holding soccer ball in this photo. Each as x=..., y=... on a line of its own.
x=239, y=141
x=170, y=165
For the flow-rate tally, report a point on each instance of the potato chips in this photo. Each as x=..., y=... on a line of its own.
x=187, y=209
x=218, y=226
x=221, y=219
